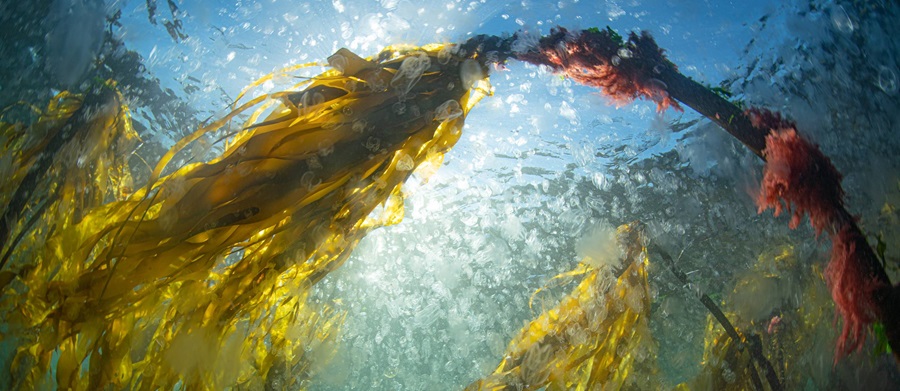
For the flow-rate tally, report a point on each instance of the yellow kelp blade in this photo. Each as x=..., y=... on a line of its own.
x=597, y=337
x=223, y=253
x=72, y=159
x=76, y=152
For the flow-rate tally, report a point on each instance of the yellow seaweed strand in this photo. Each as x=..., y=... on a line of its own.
x=597, y=336
x=219, y=256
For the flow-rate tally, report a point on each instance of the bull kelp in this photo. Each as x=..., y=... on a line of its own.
x=199, y=278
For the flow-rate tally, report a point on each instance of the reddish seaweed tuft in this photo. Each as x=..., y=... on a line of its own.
x=594, y=58
x=799, y=178
x=853, y=289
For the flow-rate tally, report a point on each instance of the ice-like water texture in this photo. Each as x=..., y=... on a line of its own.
x=431, y=303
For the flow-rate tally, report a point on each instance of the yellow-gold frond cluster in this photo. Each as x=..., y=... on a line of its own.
x=199, y=278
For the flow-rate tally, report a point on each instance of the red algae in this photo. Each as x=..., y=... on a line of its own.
x=799, y=178
x=852, y=287
x=623, y=73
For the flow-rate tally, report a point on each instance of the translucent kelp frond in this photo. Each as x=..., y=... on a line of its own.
x=725, y=365
x=143, y=291
x=597, y=337
x=789, y=333
x=98, y=137
x=72, y=158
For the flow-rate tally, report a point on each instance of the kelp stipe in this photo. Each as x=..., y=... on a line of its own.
x=636, y=68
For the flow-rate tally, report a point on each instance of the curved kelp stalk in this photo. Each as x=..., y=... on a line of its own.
x=598, y=336
x=731, y=337
x=798, y=177
x=199, y=279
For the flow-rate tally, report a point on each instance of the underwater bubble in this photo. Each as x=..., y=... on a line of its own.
x=624, y=53
x=410, y=71
x=616, y=60
x=309, y=180
x=842, y=21
x=405, y=163
x=447, y=111
x=338, y=62
x=373, y=143
x=351, y=85
x=583, y=152
x=325, y=149
x=600, y=181
x=567, y=112
x=447, y=53
x=338, y=6
x=309, y=100
x=887, y=80
x=399, y=108
x=376, y=84
x=314, y=163
x=359, y=126
x=599, y=246
x=659, y=84
x=729, y=375
x=470, y=72
x=346, y=30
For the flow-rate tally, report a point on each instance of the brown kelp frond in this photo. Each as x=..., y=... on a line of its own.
x=224, y=252
x=74, y=133
x=71, y=159
x=597, y=337
x=623, y=71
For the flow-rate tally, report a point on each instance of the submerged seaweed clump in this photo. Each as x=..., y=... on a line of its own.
x=597, y=336
x=200, y=277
